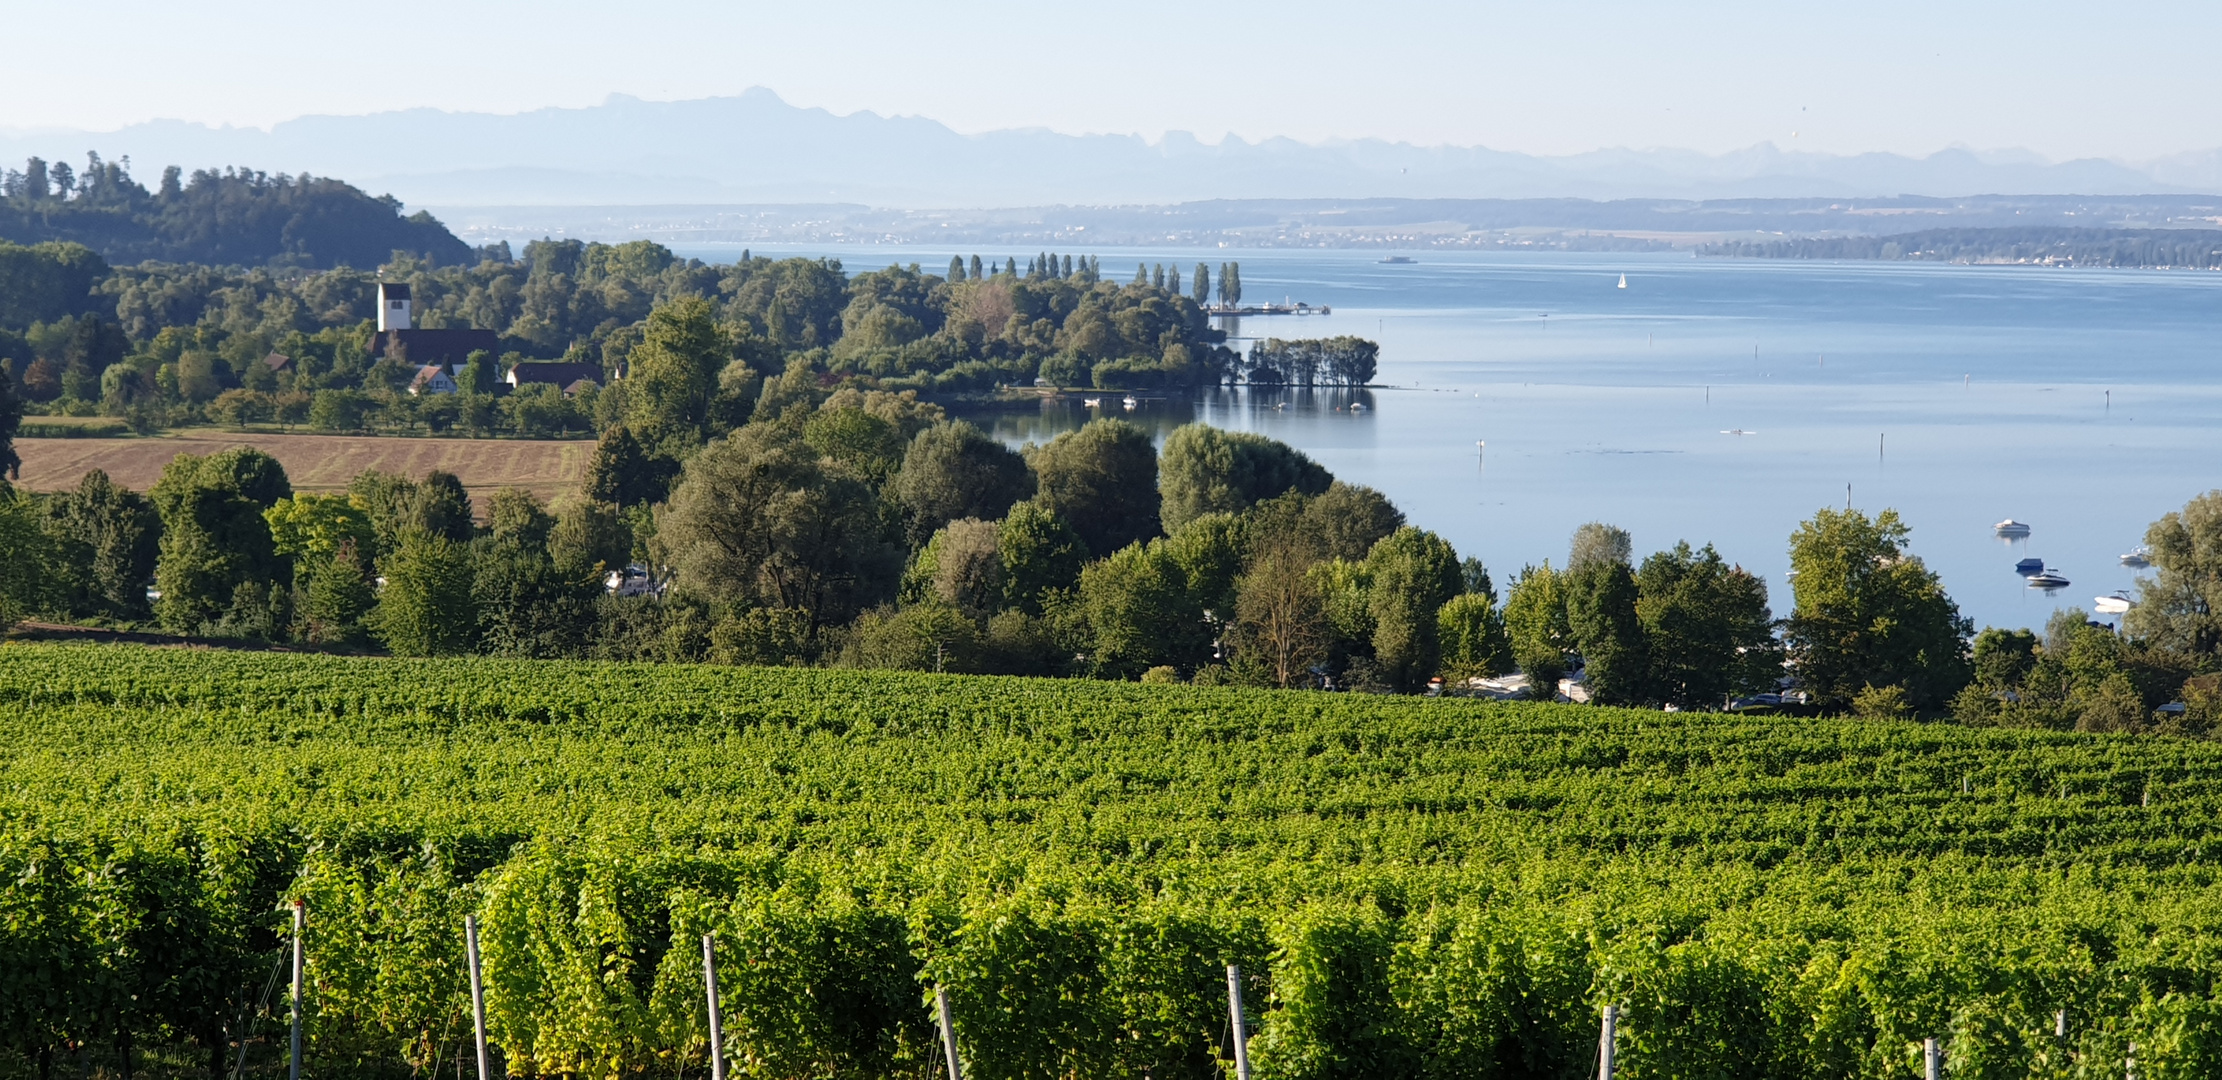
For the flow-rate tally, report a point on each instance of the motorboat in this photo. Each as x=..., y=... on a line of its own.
x=1092, y=402
x=2138, y=558
x=1399, y=260
x=2010, y=527
x=1131, y=402
x=2027, y=567
x=2117, y=604
x=1357, y=406
x=2049, y=579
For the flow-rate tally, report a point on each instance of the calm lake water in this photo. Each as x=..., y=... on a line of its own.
x=2086, y=403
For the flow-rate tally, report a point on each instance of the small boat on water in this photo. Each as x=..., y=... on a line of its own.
x=1357, y=406
x=1738, y=431
x=2010, y=527
x=1131, y=402
x=2138, y=558
x=1092, y=402
x=2027, y=567
x=2049, y=579
x=2117, y=604
x=1399, y=260
x=1623, y=281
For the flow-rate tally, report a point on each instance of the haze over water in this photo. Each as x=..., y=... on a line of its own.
x=2085, y=403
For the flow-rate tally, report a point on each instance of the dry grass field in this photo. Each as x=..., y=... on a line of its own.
x=551, y=469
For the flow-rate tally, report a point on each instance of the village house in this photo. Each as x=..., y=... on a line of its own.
x=569, y=377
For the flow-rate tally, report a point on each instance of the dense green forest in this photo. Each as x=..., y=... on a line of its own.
x=163, y=344
x=1415, y=889
x=2171, y=248
x=236, y=217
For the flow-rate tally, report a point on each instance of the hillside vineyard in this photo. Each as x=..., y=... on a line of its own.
x=1416, y=888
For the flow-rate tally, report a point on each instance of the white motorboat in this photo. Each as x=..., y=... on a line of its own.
x=2050, y=579
x=1092, y=402
x=2138, y=558
x=2010, y=527
x=1357, y=406
x=2116, y=604
x=1131, y=402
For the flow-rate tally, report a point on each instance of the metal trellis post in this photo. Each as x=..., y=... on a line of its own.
x=1241, y=1025
x=717, y=1026
x=478, y=992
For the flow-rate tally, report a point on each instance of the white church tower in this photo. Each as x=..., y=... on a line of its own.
x=393, y=306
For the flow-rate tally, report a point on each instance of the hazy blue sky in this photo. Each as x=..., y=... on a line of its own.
x=2121, y=79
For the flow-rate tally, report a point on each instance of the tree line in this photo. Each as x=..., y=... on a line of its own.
x=2173, y=248
x=165, y=344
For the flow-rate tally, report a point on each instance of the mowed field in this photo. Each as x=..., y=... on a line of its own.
x=551, y=469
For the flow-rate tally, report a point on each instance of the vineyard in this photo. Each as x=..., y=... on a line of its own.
x=1417, y=889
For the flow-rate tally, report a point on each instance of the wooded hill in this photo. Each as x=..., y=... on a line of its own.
x=236, y=217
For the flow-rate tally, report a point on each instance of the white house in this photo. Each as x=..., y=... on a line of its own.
x=432, y=379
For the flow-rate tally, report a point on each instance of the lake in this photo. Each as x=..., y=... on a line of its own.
x=2084, y=402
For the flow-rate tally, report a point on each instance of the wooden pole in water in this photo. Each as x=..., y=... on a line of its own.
x=710, y=989
x=948, y=1033
x=478, y=993
x=1241, y=1026
x=1605, y=1040
x=300, y=924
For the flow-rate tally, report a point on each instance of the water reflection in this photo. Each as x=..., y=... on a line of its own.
x=1267, y=409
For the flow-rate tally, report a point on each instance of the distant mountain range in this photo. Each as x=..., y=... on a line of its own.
x=756, y=148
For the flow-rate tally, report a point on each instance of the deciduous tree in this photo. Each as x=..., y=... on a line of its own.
x=954, y=471
x=2180, y=606
x=1867, y=613
x=1204, y=469
x=1102, y=480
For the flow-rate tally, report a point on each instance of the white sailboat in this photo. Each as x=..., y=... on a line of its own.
x=1623, y=281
